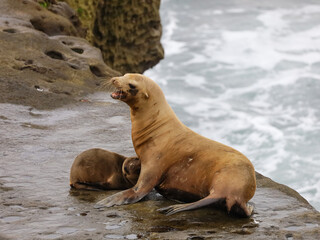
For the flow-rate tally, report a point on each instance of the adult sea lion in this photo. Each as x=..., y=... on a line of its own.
x=178, y=162
x=98, y=169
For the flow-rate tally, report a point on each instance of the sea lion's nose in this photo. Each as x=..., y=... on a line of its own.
x=113, y=80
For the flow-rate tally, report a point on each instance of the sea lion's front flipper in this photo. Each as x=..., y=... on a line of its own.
x=145, y=184
x=189, y=206
x=124, y=197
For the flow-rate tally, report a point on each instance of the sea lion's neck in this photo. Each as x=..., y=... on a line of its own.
x=151, y=118
x=153, y=122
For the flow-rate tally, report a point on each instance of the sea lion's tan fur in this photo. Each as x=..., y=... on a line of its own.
x=178, y=162
x=101, y=169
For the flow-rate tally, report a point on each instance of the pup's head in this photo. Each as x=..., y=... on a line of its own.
x=131, y=169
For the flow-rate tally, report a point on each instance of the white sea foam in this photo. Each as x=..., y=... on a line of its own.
x=236, y=10
x=172, y=46
x=268, y=44
x=197, y=58
x=253, y=85
x=273, y=20
x=195, y=80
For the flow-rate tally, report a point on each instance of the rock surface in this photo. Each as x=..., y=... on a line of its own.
x=127, y=32
x=41, y=65
x=38, y=148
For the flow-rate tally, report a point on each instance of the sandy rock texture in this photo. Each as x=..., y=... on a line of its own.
x=44, y=61
x=127, y=32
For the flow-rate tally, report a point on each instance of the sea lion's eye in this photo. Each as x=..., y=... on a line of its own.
x=132, y=86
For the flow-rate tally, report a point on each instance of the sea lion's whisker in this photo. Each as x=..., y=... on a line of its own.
x=107, y=85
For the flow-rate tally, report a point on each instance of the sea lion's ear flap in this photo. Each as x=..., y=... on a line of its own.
x=146, y=95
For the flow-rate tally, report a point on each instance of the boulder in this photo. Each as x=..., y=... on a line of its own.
x=127, y=32
x=44, y=61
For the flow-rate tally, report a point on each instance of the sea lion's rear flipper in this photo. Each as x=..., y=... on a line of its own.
x=189, y=206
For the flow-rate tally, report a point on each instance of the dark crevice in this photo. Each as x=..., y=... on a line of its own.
x=36, y=23
x=67, y=43
x=77, y=50
x=96, y=71
x=73, y=66
x=55, y=55
x=9, y=30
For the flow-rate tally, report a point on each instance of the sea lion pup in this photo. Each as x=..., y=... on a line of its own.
x=98, y=169
x=178, y=162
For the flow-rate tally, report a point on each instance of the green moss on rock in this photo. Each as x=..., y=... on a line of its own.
x=127, y=32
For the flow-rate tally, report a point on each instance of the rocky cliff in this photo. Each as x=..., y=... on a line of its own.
x=127, y=32
x=44, y=61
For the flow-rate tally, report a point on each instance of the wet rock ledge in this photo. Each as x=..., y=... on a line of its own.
x=38, y=148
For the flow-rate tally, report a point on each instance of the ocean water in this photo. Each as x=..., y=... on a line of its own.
x=247, y=74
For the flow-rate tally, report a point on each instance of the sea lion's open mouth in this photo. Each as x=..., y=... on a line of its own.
x=119, y=94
